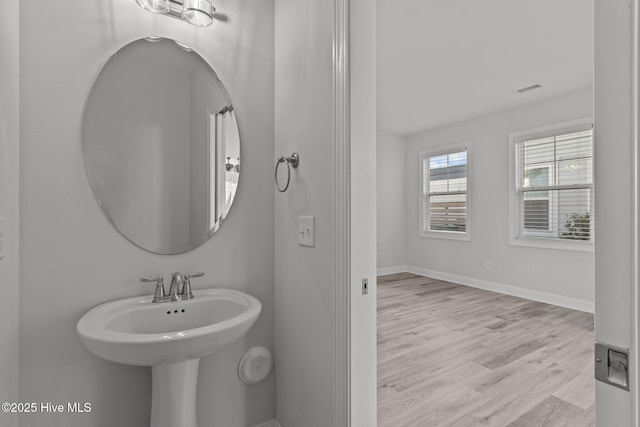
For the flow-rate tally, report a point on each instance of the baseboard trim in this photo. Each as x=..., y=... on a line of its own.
x=392, y=270
x=270, y=423
x=545, y=297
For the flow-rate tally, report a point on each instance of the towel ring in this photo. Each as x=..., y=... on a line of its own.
x=292, y=162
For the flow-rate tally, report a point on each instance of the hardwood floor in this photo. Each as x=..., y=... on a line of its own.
x=451, y=355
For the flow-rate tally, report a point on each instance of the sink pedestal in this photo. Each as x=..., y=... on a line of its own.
x=171, y=338
x=173, y=395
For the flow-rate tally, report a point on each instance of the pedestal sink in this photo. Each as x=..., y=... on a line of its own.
x=170, y=337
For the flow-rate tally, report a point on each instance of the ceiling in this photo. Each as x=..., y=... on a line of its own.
x=443, y=61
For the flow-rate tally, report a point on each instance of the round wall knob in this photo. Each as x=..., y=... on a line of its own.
x=255, y=365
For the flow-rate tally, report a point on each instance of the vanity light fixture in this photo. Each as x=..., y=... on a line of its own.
x=155, y=6
x=196, y=12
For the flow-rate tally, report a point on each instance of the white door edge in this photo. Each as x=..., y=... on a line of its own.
x=635, y=208
x=342, y=215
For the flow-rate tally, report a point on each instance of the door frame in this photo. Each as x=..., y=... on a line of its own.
x=344, y=389
x=635, y=210
x=342, y=214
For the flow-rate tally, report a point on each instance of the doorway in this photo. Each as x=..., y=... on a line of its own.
x=473, y=79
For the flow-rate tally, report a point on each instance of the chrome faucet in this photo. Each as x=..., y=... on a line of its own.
x=159, y=295
x=180, y=287
x=186, y=288
x=177, y=287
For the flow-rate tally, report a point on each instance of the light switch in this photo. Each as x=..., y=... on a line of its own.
x=306, y=231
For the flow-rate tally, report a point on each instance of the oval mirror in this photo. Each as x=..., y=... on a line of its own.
x=161, y=146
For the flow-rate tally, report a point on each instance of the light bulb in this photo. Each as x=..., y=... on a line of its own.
x=198, y=12
x=155, y=6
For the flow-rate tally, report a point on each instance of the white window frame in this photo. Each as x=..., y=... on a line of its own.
x=541, y=241
x=443, y=234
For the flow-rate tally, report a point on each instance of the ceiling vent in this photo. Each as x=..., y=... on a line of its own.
x=529, y=88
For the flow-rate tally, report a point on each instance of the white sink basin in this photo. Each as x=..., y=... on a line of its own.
x=170, y=337
x=135, y=331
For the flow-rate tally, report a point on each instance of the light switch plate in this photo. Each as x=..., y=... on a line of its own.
x=306, y=231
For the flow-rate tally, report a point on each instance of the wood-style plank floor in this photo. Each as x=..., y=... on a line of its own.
x=451, y=355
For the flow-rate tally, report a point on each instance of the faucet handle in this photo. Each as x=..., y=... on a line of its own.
x=186, y=287
x=159, y=280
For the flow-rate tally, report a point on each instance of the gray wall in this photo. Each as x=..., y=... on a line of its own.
x=567, y=274
x=72, y=259
x=307, y=303
x=391, y=209
x=9, y=152
x=137, y=146
x=304, y=277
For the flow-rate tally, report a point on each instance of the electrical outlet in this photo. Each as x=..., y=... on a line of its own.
x=487, y=265
x=365, y=286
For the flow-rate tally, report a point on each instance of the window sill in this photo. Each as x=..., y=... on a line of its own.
x=554, y=244
x=446, y=235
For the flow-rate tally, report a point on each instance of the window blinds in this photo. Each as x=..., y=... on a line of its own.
x=554, y=185
x=445, y=198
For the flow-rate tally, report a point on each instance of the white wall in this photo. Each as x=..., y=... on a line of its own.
x=71, y=257
x=567, y=274
x=612, y=90
x=304, y=288
x=9, y=152
x=391, y=209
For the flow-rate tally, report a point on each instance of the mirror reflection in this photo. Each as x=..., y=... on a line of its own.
x=161, y=146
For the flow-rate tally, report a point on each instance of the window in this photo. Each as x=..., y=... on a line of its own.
x=551, y=198
x=444, y=193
